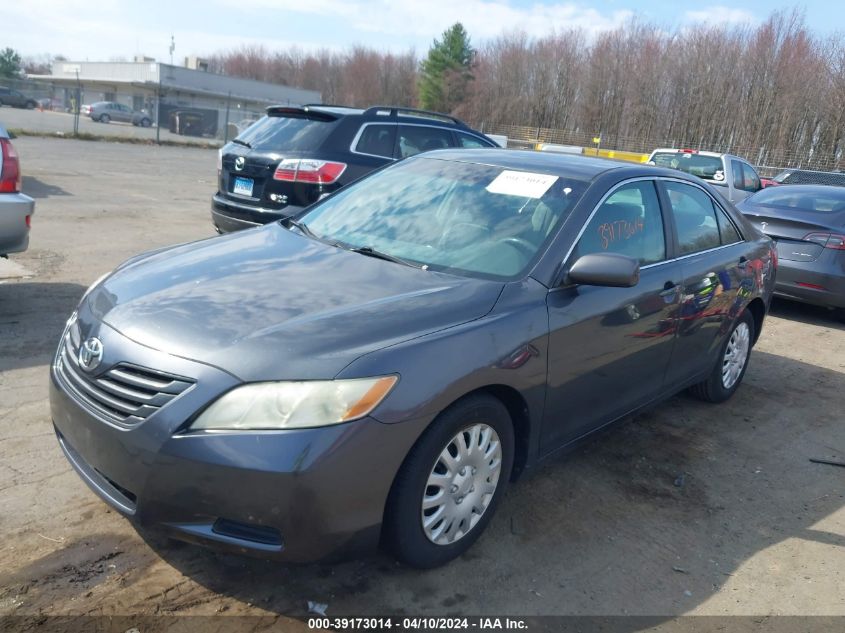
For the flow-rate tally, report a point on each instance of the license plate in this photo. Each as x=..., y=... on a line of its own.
x=242, y=186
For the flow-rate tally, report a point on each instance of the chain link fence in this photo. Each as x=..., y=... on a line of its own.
x=769, y=162
x=144, y=113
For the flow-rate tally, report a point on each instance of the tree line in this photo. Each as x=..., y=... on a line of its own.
x=773, y=92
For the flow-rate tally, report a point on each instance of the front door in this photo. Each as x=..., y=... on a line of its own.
x=609, y=348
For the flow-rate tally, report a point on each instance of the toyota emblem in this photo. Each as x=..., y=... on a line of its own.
x=90, y=354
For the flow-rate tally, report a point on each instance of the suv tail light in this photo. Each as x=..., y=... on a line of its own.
x=828, y=240
x=10, y=168
x=319, y=172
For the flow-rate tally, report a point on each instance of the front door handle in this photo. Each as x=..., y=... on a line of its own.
x=743, y=262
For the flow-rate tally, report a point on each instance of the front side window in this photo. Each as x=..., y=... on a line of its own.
x=414, y=139
x=695, y=218
x=751, y=181
x=629, y=222
x=464, y=218
x=377, y=140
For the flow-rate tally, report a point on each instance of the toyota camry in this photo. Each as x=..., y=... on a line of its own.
x=379, y=368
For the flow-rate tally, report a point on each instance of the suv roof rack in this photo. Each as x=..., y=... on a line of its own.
x=396, y=111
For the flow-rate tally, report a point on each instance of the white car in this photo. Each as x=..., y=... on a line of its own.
x=16, y=209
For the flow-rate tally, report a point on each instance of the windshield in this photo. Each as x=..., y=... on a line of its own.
x=287, y=133
x=459, y=217
x=705, y=167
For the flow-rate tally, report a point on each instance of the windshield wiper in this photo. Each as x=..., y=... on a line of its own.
x=303, y=228
x=369, y=251
x=240, y=142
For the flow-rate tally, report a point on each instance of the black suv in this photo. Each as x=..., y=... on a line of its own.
x=293, y=156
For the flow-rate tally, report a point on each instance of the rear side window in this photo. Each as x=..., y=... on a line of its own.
x=629, y=222
x=377, y=140
x=738, y=176
x=470, y=142
x=286, y=133
x=695, y=218
x=414, y=139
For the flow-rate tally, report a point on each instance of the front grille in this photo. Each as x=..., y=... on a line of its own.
x=126, y=393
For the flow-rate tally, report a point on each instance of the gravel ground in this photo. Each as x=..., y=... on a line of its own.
x=687, y=509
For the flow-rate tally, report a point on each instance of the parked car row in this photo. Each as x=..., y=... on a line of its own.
x=108, y=111
x=16, y=209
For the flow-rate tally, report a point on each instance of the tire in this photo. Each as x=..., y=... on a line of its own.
x=475, y=422
x=30, y=105
x=146, y=123
x=732, y=362
x=105, y=118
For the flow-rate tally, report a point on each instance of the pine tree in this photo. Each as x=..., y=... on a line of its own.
x=447, y=71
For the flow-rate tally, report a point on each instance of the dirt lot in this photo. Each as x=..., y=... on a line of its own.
x=689, y=508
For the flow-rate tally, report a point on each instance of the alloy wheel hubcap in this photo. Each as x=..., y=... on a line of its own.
x=461, y=484
x=736, y=354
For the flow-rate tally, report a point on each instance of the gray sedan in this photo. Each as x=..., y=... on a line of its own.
x=107, y=111
x=380, y=367
x=16, y=209
x=808, y=224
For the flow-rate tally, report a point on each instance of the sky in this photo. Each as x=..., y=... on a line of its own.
x=103, y=31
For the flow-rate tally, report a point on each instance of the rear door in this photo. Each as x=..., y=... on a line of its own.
x=715, y=272
x=609, y=348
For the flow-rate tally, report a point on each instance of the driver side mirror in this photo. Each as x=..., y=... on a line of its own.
x=605, y=269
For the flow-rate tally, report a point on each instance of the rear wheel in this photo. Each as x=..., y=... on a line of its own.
x=449, y=486
x=105, y=118
x=727, y=375
x=145, y=122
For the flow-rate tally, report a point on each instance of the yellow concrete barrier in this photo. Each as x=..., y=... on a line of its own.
x=633, y=157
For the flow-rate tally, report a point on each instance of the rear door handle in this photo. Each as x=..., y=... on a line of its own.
x=743, y=262
x=669, y=288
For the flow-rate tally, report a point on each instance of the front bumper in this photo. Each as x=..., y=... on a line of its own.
x=14, y=232
x=228, y=215
x=295, y=495
x=823, y=280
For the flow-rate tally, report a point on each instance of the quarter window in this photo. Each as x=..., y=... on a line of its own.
x=727, y=230
x=414, y=139
x=470, y=142
x=695, y=218
x=377, y=140
x=751, y=181
x=629, y=223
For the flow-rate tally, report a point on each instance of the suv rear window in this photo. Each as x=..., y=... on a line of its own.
x=705, y=167
x=288, y=132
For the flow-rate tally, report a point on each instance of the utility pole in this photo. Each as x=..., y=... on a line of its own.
x=226, y=125
x=77, y=106
x=172, y=47
x=158, y=109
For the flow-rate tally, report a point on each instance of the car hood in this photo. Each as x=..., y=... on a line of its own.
x=268, y=304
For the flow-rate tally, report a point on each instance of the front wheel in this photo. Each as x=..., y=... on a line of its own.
x=105, y=118
x=450, y=484
x=146, y=123
x=727, y=375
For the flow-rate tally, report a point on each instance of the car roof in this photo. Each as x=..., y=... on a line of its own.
x=810, y=171
x=809, y=190
x=675, y=150
x=571, y=165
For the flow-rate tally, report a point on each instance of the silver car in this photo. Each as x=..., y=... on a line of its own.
x=16, y=209
x=733, y=176
x=107, y=111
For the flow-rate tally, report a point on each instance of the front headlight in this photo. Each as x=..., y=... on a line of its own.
x=295, y=405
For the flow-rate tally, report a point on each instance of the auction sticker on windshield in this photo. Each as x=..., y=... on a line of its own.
x=521, y=183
